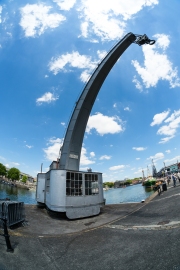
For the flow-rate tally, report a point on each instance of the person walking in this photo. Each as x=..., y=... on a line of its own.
x=178, y=174
x=174, y=179
x=168, y=179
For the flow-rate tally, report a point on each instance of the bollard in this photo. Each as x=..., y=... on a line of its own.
x=6, y=235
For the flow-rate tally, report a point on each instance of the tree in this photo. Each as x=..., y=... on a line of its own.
x=24, y=178
x=2, y=170
x=128, y=182
x=13, y=174
x=109, y=184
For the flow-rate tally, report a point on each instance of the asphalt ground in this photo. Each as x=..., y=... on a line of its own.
x=139, y=236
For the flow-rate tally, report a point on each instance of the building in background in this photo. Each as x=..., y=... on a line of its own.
x=173, y=168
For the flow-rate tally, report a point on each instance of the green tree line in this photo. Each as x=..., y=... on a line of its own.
x=122, y=183
x=12, y=173
x=109, y=184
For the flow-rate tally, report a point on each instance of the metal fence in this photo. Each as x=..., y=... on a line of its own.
x=13, y=212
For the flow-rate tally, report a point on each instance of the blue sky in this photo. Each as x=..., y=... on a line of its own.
x=49, y=49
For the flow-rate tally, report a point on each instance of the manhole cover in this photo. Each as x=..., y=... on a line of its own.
x=163, y=222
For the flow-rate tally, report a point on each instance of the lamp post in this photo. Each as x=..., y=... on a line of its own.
x=164, y=170
x=177, y=166
x=41, y=167
x=154, y=172
x=143, y=177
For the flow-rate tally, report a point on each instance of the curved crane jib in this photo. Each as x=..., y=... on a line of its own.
x=71, y=149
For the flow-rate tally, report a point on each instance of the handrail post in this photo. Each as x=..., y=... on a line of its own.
x=6, y=235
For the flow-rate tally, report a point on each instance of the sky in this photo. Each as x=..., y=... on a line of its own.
x=49, y=49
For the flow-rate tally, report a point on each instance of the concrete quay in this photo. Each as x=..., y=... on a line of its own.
x=141, y=236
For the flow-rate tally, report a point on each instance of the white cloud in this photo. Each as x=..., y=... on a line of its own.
x=29, y=146
x=159, y=118
x=84, y=168
x=7, y=165
x=173, y=116
x=36, y=19
x=115, y=105
x=111, y=177
x=2, y=158
x=137, y=158
x=139, y=148
x=166, y=139
x=168, y=151
x=52, y=151
x=101, y=54
x=69, y=61
x=138, y=172
x=108, y=20
x=165, y=130
x=84, y=29
x=46, y=98
x=118, y=167
x=0, y=14
x=162, y=41
x=62, y=123
x=137, y=84
x=73, y=60
x=169, y=126
x=85, y=75
x=92, y=154
x=170, y=129
x=64, y=4
x=156, y=157
x=85, y=160
x=104, y=124
x=9, y=34
x=172, y=160
x=157, y=66
x=127, y=109
x=105, y=157
x=15, y=163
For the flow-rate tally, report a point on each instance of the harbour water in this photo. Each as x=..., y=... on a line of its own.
x=135, y=193
x=17, y=194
